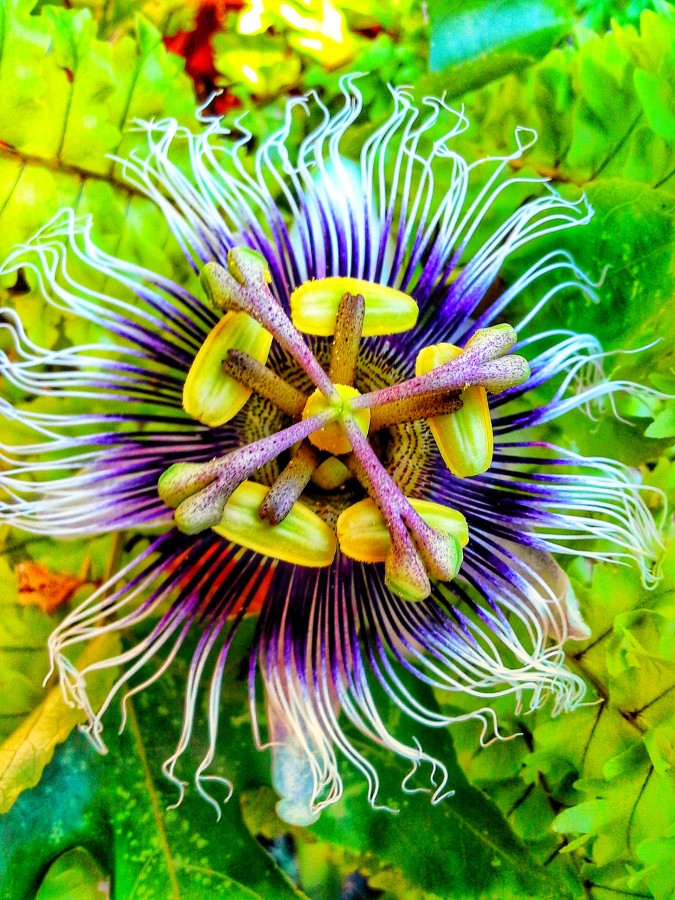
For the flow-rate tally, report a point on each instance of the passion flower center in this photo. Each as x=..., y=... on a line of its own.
x=417, y=541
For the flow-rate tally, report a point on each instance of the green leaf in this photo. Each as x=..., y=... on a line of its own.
x=26, y=752
x=659, y=874
x=23, y=654
x=599, y=14
x=117, y=808
x=420, y=849
x=75, y=875
x=663, y=425
x=472, y=30
x=610, y=764
x=601, y=107
x=467, y=843
x=472, y=74
x=32, y=721
x=631, y=242
x=67, y=101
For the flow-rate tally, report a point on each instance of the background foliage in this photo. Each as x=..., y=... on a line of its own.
x=580, y=806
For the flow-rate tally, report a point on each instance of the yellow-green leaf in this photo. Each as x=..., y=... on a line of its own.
x=26, y=752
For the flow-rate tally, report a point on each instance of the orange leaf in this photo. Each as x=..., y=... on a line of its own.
x=38, y=586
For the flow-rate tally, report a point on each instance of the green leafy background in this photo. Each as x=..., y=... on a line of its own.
x=582, y=806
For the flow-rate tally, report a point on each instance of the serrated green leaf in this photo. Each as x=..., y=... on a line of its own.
x=663, y=425
x=606, y=768
x=659, y=874
x=582, y=100
x=117, y=807
x=67, y=101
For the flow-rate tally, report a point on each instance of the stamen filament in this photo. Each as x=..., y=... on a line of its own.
x=411, y=409
x=264, y=382
x=347, y=339
x=288, y=487
x=244, y=288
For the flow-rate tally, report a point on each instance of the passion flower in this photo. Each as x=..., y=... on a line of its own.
x=329, y=425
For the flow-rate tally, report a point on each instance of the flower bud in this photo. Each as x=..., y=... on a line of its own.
x=314, y=306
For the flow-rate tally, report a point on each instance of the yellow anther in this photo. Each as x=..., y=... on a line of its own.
x=464, y=437
x=209, y=395
x=332, y=437
x=314, y=306
x=301, y=538
x=363, y=535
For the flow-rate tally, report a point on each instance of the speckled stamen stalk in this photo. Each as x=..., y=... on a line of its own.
x=289, y=486
x=200, y=491
x=482, y=362
x=264, y=382
x=417, y=550
x=411, y=409
x=347, y=339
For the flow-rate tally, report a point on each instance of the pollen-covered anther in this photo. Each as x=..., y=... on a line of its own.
x=314, y=306
x=482, y=362
x=210, y=395
x=347, y=339
x=416, y=550
x=302, y=538
x=363, y=535
x=332, y=437
x=464, y=438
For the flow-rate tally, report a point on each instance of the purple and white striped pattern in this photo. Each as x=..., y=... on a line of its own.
x=323, y=636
